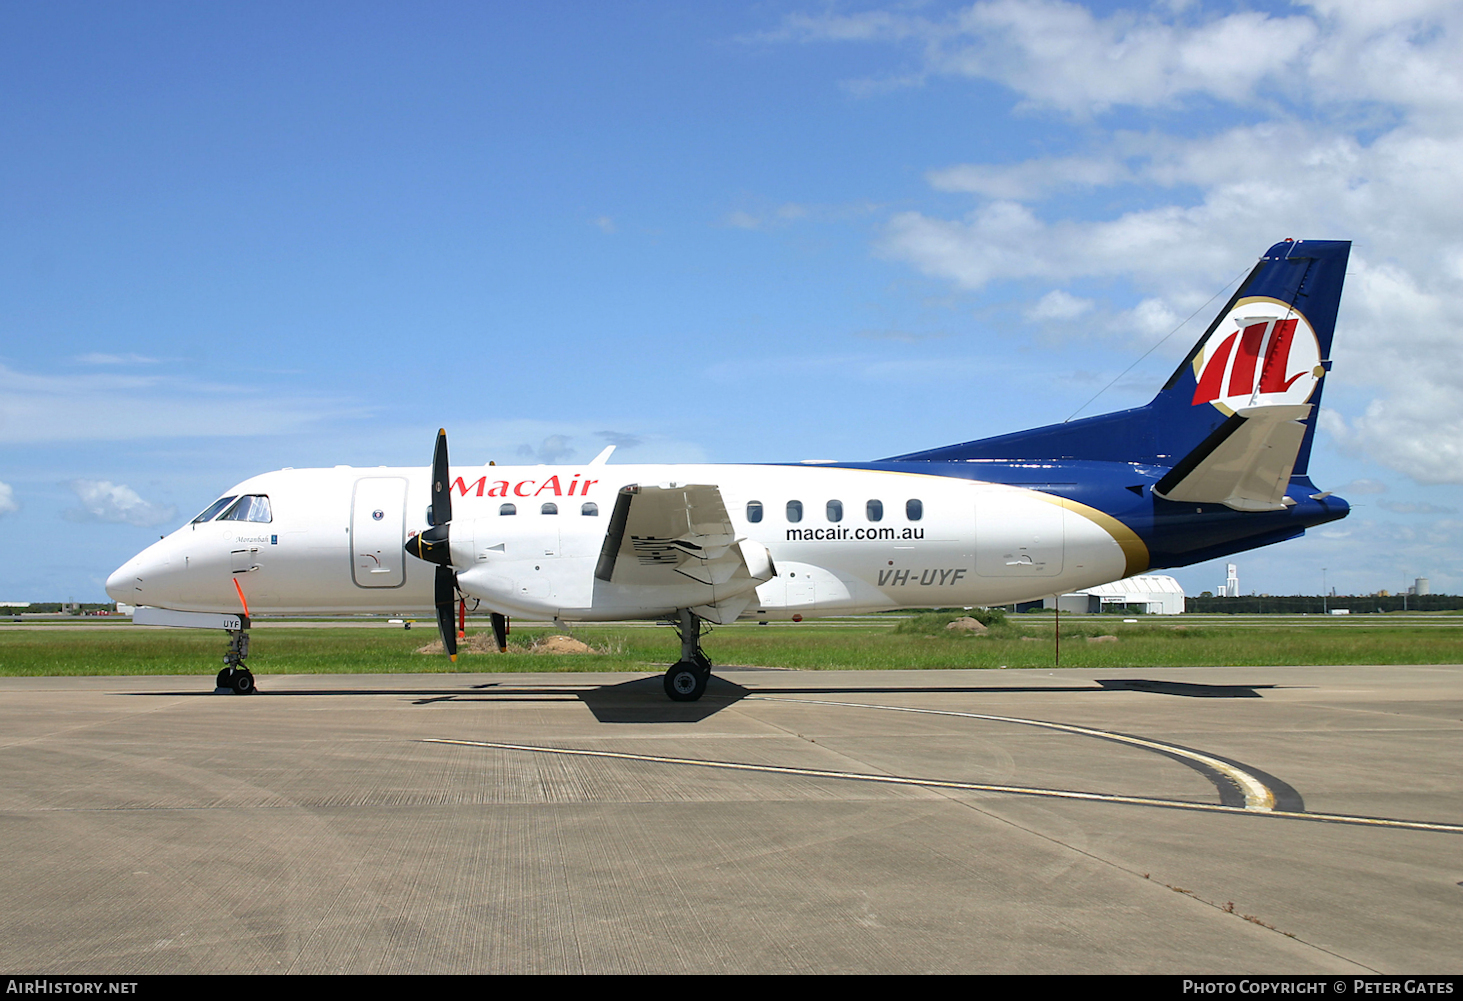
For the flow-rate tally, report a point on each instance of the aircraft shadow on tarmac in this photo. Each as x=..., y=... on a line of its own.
x=1185, y=688
x=643, y=700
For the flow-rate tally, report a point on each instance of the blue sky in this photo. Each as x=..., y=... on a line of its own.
x=239, y=237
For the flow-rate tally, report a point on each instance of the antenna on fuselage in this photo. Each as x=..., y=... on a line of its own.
x=1155, y=347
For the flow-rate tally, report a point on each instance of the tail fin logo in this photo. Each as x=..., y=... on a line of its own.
x=1262, y=354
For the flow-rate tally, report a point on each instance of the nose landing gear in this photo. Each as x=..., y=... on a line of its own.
x=236, y=676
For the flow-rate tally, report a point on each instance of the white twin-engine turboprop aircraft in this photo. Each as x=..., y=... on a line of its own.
x=1215, y=464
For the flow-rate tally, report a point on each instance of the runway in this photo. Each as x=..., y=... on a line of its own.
x=1198, y=820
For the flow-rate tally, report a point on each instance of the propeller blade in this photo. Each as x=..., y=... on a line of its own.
x=433, y=544
x=441, y=482
x=446, y=598
x=500, y=631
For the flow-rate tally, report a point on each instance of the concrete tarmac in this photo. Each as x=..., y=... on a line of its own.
x=1224, y=820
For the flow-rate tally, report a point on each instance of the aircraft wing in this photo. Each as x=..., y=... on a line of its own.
x=680, y=534
x=1245, y=464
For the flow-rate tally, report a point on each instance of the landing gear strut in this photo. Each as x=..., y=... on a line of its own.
x=686, y=679
x=236, y=676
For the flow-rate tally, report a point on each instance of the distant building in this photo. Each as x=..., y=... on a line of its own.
x=1151, y=594
x=1230, y=587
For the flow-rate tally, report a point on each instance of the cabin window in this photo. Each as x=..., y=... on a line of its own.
x=250, y=507
x=591, y=509
x=874, y=510
x=754, y=511
x=549, y=509
x=914, y=509
x=508, y=509
x=835, y=510
x=214, y=509
x=794, y=510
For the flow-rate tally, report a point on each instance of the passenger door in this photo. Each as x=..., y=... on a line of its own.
x=378, y=532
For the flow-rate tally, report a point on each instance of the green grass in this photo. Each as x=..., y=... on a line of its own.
x=864, y=645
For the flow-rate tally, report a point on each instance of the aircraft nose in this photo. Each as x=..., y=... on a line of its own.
x=141, y=577
x=123, y=584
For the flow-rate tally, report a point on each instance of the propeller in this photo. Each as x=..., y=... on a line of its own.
x=500, y=631
x=434, y=546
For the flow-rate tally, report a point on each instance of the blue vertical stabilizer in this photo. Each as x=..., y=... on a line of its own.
x=1270, y=346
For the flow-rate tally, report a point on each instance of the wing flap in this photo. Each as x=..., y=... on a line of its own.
x=680, y=534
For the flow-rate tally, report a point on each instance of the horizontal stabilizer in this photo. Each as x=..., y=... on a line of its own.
x=1245, y=464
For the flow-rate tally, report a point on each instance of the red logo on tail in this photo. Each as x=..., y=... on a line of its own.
x=1238, y=356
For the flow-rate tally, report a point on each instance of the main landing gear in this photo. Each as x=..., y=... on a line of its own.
x=236, y=676
x=686, y=680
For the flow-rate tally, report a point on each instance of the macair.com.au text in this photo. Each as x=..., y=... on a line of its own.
x=839, y=534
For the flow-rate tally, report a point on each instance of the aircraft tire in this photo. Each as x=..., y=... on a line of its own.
x=242, y=683
x=685, y=681
x=223, y=680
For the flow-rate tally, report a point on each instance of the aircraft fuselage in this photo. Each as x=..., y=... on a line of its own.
x=842, y=540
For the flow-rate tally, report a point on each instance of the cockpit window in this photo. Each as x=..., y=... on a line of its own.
x=250, y=507
x=213, y=509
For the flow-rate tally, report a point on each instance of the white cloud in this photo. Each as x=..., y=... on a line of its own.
x=1058, y=305
x=115, y=503
x=1415, y=507
x=1152, y=318
x=1356, y=132
x=1061, y=55
x=8, y=503
x=775, y=216
x=1333, y=424
x=556, y=441
x=742, y=220
x=113, y=406
x=1032, y=179
x=98, y=358
x=1419, y=433
x=902, y=336
x=620, y=439
x=554, y=448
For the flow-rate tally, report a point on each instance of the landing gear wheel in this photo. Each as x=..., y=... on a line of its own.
x=242, y=683
x=686, y=681
x=224, y=679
